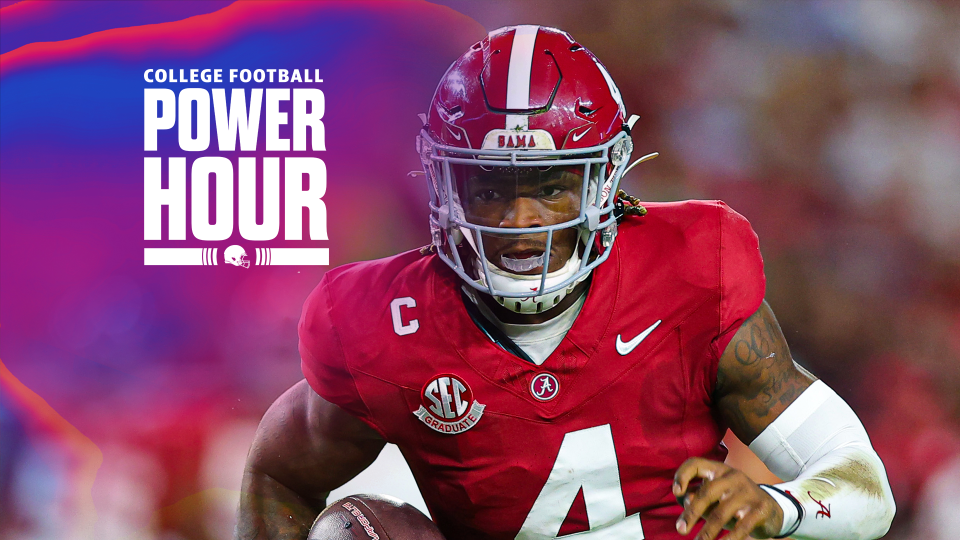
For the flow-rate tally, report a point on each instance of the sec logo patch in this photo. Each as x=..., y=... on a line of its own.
x=544, y=387
x=447, y=405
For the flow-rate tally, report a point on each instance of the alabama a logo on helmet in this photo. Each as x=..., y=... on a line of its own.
x=447, y=405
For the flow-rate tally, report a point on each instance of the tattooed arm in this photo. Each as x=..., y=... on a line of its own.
x=820, y=443
x=304, y=447
x=757, y=378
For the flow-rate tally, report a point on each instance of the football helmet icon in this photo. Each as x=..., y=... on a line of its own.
x=236, y=256
x=526, y=114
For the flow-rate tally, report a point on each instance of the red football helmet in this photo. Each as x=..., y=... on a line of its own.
x=523, y=147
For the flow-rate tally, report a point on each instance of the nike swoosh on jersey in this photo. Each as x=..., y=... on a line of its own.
x=578, y=136
x=456, y=135
x=624, y=348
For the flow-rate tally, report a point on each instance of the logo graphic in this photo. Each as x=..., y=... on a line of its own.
x=236, y=256
x=532, y=289
x=520, y=141
x=208, y=257
x=544, y=387
x=220, y=194
x=456, y=135
x=447, y=405
x=624, y=348
x=362, y=520
x=824, y=510
x=502, y=139
x=578, y=136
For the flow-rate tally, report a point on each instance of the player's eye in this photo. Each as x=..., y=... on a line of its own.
x=487, y=195
x=551, y=190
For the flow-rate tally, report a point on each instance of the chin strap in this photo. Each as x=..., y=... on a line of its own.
x=535, y=303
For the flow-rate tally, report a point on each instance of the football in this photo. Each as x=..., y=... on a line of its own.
x=372, y=517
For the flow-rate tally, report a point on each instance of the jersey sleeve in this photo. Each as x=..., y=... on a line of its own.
x=742, y=282
x=322, y=357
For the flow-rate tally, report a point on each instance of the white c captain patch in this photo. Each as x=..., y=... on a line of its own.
x=447, y=405
x=401, y=328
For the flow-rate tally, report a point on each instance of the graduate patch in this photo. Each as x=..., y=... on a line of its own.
x=448, y=405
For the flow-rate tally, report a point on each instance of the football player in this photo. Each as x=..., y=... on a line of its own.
x=561, y=359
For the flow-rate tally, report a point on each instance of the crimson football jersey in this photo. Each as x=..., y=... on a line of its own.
x=587, y=442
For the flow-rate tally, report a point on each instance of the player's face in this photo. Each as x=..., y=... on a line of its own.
x=521, y=197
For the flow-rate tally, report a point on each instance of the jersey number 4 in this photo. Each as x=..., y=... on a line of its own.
x=587, y=460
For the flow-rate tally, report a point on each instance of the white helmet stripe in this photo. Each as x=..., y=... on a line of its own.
x=614, y=91
x=518, y=75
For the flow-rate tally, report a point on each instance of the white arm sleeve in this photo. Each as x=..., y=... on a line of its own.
x=819, y=444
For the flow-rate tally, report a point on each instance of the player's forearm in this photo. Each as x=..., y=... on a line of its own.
x=820, y=446
x=843, y=495
x=270, y=510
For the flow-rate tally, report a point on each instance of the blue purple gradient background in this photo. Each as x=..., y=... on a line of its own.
x=153, y=357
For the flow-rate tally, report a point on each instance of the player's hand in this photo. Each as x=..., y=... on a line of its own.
x=725, y=499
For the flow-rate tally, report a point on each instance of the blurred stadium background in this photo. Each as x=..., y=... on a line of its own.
x=833, y=126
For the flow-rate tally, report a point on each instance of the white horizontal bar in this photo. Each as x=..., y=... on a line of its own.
x=175, y=256
x=297, y=256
